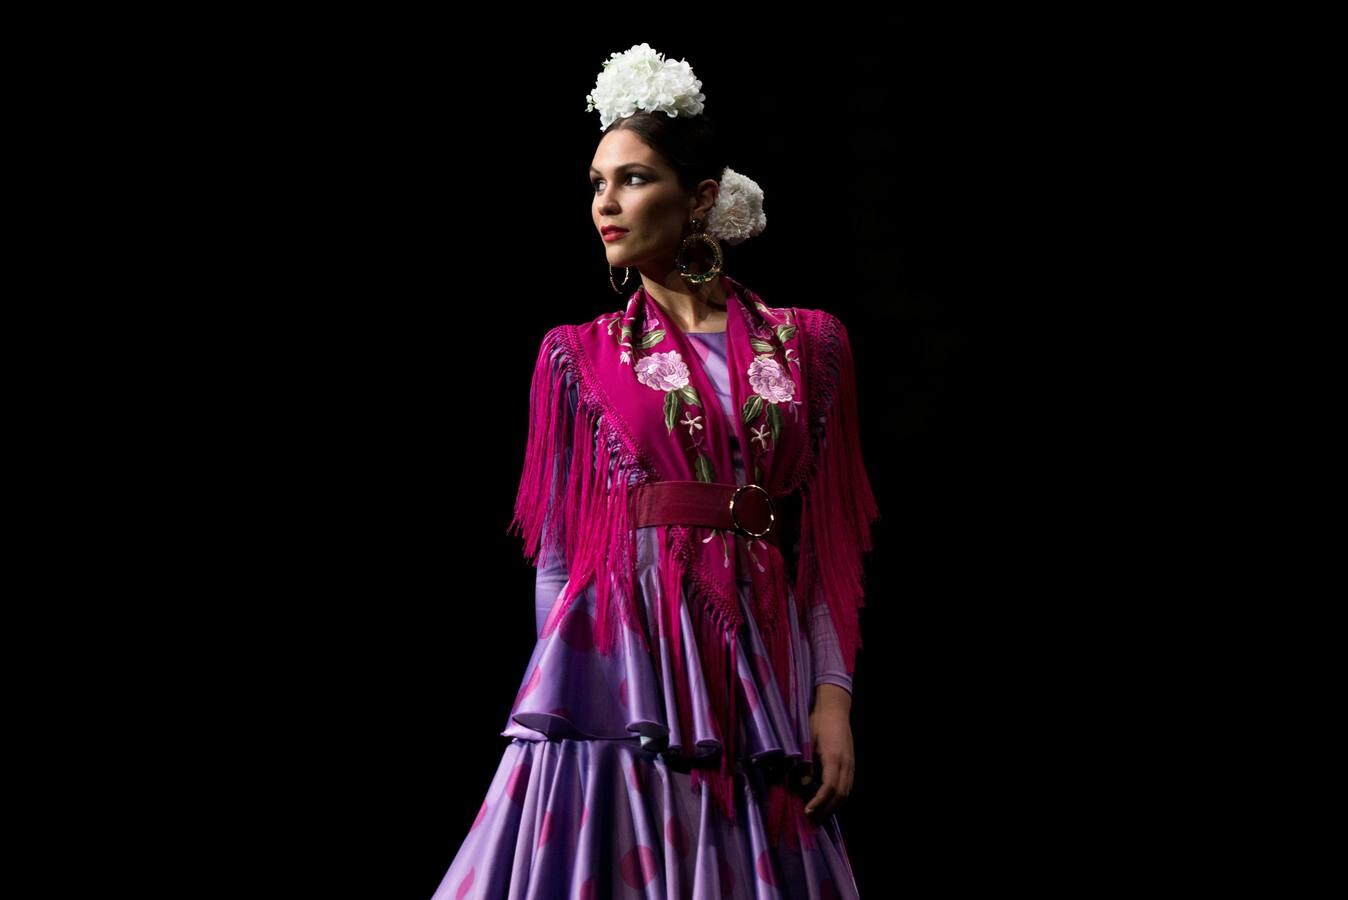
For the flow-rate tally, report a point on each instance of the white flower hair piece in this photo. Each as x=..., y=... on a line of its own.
x=641, y=78
x=738, y=213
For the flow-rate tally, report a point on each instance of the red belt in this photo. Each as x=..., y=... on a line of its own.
x=746, y=509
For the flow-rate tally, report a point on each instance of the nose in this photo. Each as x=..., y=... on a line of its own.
x=605, y=202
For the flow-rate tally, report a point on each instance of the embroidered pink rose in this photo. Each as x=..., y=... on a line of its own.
x=663, y=371
x=769, y=381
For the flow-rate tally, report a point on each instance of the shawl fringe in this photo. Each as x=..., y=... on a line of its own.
x=580, y=463
x=718, y=621
x=837, y=503
x=575, y=462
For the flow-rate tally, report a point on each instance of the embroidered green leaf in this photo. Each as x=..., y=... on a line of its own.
x=752, y=407
x=690, y=395
x=784, y=332
x=758, y=474
x=650, y=340
x=672, y=405
x=775, y=421
x=761, y=346
x=703, y=468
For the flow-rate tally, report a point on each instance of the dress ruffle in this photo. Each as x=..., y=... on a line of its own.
x=591, y=819
x=570, y=690
x=597, y=793
x=588, y=728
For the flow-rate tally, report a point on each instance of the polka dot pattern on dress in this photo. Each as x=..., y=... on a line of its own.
x=639, y=866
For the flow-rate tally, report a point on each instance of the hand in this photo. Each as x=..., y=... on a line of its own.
x=831, y=732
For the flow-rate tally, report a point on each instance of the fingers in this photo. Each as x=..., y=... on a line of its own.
x=824, y=800
x=834, y=789
x=821, y=803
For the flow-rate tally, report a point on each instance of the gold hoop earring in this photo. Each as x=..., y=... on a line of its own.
x=699, y=235
x=627, y=273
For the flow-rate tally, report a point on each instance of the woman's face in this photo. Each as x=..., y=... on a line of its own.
x=635, y=189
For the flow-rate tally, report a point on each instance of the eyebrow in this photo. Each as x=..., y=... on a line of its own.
x=624, y=167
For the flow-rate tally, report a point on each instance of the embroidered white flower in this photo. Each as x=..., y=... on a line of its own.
x=663, y=371
x=641, y=78
x=761, y=435
x=738, y=213
x=769, y=381
x=693, y=422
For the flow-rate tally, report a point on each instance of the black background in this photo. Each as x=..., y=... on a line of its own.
x=404, y=212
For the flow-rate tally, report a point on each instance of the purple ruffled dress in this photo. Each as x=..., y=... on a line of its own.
x=583, y=804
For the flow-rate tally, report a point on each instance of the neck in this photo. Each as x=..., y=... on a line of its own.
x=694, y=307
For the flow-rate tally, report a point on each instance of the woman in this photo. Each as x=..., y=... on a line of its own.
x=692, y=469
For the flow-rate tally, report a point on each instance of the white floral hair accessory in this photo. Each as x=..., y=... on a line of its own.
x=641, y=78
x=738, y=214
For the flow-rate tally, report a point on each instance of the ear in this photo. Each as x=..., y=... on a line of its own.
x=704, y=198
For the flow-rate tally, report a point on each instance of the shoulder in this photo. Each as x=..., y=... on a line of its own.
x=564, y=336
x=587, y=339
x=824, y=333
x=565, y=344
x=818, y=321
x=555, y=353
x=553, y=343
x=605, y=324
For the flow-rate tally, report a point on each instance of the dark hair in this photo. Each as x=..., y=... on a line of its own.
x=692, y=145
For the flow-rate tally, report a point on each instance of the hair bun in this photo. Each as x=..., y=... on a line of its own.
x=738, y=214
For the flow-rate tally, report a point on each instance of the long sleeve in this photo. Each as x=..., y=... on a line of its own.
x=838, y=504
x=552, y=575
x=827, y=655
x=549, y=580
x=826, y=651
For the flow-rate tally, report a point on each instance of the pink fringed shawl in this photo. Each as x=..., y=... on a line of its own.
x=641, y=418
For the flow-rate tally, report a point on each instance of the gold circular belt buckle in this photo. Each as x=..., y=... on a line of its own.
x=772, y=511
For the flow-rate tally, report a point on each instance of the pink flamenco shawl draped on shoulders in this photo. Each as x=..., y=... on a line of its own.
x=641, y=418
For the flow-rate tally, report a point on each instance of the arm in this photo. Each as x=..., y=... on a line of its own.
x=552, y=574
x=830, y=717
x=548, y=583
x=838, y=511
x=838, y=505
x=827, y=655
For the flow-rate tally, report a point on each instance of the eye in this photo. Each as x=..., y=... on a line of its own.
x=595, y=182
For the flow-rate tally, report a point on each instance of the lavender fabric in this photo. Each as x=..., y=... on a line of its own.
x=826, y=656
x=585, y=805
x=584, y=820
